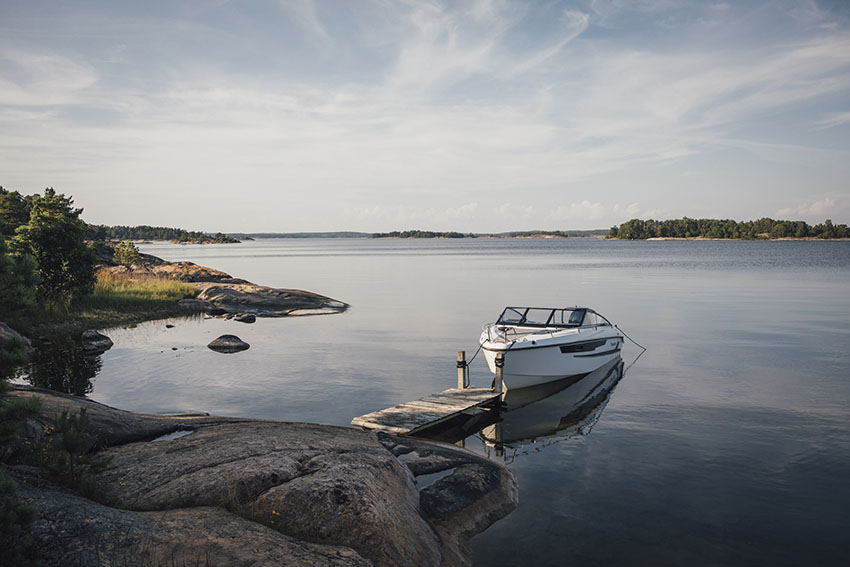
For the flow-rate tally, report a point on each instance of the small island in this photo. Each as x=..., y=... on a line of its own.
x=144, y=232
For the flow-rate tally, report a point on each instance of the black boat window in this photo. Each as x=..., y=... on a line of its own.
x=538, y=317
x=512, y=316
x=547, y=317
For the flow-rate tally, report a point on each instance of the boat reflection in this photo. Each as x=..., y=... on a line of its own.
x=548, y=413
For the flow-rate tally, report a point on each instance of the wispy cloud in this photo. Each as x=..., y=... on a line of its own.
x=833, y=120
x=818, y=210
x=578, y=211
x=510, y=211
x=305, y=13
x=43, y=78
x=430, y=112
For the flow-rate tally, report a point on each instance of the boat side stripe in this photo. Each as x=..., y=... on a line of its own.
x=612, y=351
x=583, y=346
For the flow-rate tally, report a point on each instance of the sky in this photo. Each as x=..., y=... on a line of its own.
x=473, y=116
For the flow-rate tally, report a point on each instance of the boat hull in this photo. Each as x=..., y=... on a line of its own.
x=531, y=363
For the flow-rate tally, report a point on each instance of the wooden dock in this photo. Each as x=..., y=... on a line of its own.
x=414, y=417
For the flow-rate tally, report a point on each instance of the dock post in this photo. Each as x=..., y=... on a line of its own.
x=462, y=376
x=500, y=362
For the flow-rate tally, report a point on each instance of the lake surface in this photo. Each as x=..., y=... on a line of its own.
x=726, y=443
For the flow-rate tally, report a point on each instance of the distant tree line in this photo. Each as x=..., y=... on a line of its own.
x=421, y=234
x=531, y=233
x=513, y=234
x=762, y=229
x=144, y=232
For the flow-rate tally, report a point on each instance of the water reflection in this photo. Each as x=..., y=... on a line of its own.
x=62, y=365
x=546, y=414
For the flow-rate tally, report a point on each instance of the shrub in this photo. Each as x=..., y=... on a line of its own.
x=126, y=253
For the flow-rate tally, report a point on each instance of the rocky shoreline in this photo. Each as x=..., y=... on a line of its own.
x=233, y=491
x=221, y=291
x=203, y=490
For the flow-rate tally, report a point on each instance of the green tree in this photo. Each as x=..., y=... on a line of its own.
x=14, y=211
x=55, y=237
x=67, y=451
x=18, y=280
x=126, y=253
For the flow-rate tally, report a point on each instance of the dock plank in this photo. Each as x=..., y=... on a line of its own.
x=428, y=411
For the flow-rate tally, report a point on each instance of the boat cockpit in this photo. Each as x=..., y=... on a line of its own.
x=547, y=318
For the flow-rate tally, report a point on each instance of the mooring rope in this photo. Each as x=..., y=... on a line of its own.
x=474, y=355
x=640, y=346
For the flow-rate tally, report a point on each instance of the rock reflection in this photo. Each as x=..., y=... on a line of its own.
x=548, y=413
x=62, y=365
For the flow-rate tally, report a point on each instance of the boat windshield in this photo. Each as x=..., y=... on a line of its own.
x=549, y=317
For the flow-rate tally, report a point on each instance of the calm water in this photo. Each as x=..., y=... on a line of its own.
x=727, y=443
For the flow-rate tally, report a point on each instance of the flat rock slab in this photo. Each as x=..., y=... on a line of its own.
x=337, y=487
x=81, y=532
x=219, y=290
x=264, y=301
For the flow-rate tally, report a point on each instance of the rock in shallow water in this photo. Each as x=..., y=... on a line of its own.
x=9, y=336
x=228, y=343
x=94, y=342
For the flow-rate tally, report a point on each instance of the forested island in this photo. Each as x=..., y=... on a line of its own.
x=725, y=229
x=513, y=234
x=144, y=232
x=421, y=234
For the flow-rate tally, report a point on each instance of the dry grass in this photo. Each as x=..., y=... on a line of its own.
x=117, y=300
x=121, y=288
x=115, y=294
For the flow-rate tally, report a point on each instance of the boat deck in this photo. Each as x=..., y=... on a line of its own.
x=415, y=417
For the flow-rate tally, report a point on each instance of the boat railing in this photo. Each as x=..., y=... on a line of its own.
x=512, y=333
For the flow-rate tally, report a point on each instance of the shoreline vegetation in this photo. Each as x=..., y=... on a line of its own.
x=103, y=233
x=116, y=301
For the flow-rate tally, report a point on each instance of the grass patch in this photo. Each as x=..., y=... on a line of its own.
x=113, y=291
x=117, y=300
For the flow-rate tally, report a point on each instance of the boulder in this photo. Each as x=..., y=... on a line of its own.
x=9, y=336
x=228, y=344
x=249, y=318
x=95, y=342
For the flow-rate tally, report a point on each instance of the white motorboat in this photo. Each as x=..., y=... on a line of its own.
x=541, y=345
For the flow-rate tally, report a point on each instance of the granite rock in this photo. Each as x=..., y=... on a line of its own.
x=350, y=492
x=95, y=342
x=228, y=344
